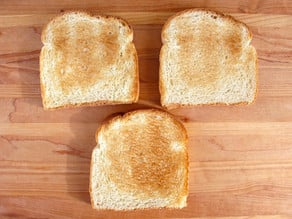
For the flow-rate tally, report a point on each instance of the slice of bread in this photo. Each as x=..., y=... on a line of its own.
x=88, y=60
x=206, y=58
x=140, y=161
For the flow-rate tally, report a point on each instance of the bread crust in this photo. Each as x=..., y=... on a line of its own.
x=87, y=104
x=108, y=121
x=134, y=94
x=162, y=88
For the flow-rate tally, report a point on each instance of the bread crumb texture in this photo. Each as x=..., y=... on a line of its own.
x=206, y=58
x=140, y=161
x=88, y=59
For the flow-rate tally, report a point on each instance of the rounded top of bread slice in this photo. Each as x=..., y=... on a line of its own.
x=75, y=17
x=140, y=161
x=206, y=58
x=192, y=17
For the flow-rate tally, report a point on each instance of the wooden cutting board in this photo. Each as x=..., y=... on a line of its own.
x=240, y=156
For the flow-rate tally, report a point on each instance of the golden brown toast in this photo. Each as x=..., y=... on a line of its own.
x=206, y=58
x=140, y=161
x=88, y=60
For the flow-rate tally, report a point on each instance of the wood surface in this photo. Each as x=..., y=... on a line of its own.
x=240, y=156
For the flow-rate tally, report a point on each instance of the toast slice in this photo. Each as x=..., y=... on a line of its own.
x=140, y=162
x=206, y=58
x=88, y=60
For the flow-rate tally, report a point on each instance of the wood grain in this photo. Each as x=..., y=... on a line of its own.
x=240, y=156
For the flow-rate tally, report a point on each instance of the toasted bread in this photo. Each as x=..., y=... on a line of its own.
x=140, y=162
x=206, y=58
x=88, y=60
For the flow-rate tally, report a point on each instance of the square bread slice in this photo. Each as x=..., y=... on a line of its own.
x=206, y=58
x=88, y=60
x=140, y=162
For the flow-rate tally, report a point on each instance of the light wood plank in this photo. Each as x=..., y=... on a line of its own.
x=51, y=6
x=194, y=128
x=146, y=17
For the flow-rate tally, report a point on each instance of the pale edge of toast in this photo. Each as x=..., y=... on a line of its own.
x=162, y=89
x=101, y=102
x=117, y=116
